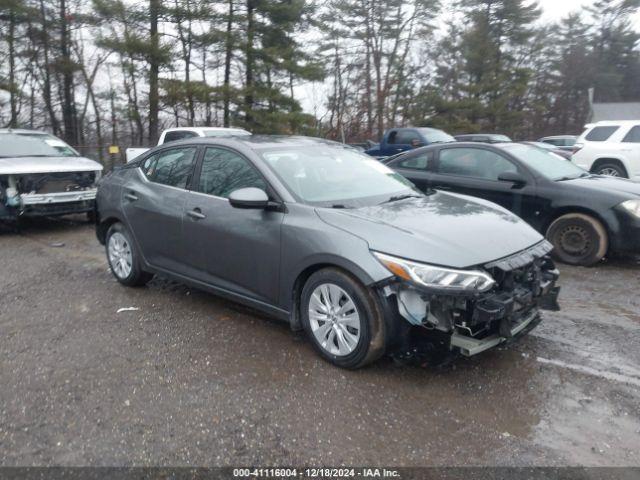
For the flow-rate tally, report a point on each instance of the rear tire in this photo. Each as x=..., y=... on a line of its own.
x=342, y=319
x=578, y=239
x=610, y=169
x=123, y=257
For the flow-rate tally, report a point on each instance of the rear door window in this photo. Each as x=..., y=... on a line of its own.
x=633, y=136
x=172, y=167
x=601, y=134
x=473, y=162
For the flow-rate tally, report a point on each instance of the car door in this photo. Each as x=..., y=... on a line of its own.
x=474, y=171
x=231, y=248
x=153, y=202
x=415, y=167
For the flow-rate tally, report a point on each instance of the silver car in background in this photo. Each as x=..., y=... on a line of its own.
x=40, y=175
x=331, y=241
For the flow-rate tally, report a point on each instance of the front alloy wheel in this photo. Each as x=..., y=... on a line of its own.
x=334, y=319
x=343, y=318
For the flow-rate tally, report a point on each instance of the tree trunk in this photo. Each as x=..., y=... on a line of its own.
x=46, y=90
x=13, y=121
x=154, y=70
x=227, y=66
x=248, y=99
x=68, y=101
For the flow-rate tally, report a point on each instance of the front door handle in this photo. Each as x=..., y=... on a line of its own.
x=131, y=196
x=196, y=214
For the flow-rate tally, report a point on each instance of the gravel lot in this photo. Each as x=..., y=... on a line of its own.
x=190, y=379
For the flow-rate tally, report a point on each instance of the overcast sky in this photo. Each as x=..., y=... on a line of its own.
x=554, y=9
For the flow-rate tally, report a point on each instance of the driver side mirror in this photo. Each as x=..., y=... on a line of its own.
x=415, y=143
x=513, y=177
x=250, y=197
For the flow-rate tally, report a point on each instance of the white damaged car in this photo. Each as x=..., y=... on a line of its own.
x=40, y=175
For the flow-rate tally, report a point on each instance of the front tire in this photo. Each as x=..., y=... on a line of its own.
x=123, y=257
x=342, y=319
x=578, y=239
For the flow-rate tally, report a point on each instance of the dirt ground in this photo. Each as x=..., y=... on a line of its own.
x=190, y=379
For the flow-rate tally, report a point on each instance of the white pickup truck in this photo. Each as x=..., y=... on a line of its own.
x=181, y=133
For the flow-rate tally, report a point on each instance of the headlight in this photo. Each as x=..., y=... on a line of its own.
x=437, y=277
x=632, y=206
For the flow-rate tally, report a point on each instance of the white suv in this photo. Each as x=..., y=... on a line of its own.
x=610, y=148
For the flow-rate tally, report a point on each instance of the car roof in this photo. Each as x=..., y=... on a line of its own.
x=481, y=134
x=263, y=142
x=202, y=129
x=22, y=131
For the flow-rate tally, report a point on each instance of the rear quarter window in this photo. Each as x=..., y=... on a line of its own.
x=601, y=134
x=633, y=136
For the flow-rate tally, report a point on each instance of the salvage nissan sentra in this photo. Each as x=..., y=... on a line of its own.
x=331, y=241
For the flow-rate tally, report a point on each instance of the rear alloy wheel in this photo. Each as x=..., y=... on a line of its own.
x=578, y=239
x=342, y=319
x=611, y=170
x=123, y=257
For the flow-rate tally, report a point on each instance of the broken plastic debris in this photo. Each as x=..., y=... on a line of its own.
x=57, y=244
x=128, y=309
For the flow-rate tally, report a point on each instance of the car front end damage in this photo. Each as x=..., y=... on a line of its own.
x=445, y=312
x=47, y=194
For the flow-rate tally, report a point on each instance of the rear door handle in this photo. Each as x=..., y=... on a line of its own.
x=196, y=214
x=131, y=196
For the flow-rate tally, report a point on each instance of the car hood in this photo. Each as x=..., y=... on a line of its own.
x=620, y=187
x=441, y=229
x=22, y=165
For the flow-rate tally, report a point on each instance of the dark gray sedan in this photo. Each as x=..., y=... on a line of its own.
x=331, y=241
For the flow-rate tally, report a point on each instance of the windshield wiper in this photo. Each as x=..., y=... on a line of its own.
x=396, y=198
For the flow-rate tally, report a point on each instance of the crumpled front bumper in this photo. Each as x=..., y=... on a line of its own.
x=511, y=323
x=469, y=324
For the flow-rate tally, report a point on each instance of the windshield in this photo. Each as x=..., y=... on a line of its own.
x=226, y=133
x=34, y=145
x=333, y=176
x=548, y=164
x=433, y=135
